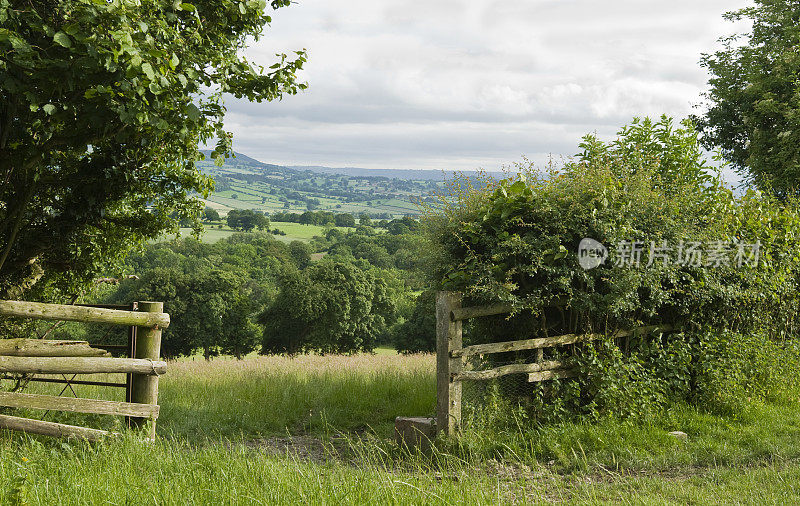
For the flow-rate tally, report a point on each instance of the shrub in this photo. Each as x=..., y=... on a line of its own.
x=516, y=240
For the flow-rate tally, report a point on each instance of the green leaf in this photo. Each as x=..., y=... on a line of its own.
x=62, y=39
x=193, y=112
x=148, y=70
x=49, y=109
x=72, y=29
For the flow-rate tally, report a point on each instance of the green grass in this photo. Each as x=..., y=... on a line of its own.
x=131, y=472
x=223, y=422
x=307, y=394
x=170, y=472
x=300, y=232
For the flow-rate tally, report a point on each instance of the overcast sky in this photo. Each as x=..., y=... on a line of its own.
x=466, y=84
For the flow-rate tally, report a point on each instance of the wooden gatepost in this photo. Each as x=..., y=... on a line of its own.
x=143, y=366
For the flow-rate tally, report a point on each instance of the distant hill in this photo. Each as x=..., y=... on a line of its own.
x=406, y=174
x=241, y=159
x=243, y=182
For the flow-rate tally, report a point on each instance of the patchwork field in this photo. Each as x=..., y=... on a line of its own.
x=245, y=183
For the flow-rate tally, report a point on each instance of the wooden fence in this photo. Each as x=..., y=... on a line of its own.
x=142, y=366
x=451, y=355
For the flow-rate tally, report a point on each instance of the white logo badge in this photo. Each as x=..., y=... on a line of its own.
x=591, y=253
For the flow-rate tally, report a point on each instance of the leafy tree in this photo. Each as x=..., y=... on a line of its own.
x=418, y=333
x=334, y=235
x=325, y=218
x=301, y=253
x=373, y=253
x=364, y=219
x=331, y=307
x=212, y=291
x=102, y=107
x=402, y=226
x=239, y=334
x=246, y=220
x=345, y=220
x=308, y=218
x=753, y=110
x=210, y=214
x=210, y=309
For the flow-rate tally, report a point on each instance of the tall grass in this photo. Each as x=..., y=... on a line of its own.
x=275, y=395
x=223, y=423
x=171, y=472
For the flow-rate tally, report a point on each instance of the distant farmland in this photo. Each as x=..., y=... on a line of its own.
x=244, y=183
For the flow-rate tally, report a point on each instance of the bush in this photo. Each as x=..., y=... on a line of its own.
x=734, y=369
x=516, y=241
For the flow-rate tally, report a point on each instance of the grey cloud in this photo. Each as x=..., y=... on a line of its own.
x=473, y=82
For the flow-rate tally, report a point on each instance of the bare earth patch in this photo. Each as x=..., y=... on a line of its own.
x=300, y=447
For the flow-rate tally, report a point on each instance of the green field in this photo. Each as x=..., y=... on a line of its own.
x=317, y=429
x=294, y=232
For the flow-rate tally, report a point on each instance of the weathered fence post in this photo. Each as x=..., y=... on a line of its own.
x=131, y=354
x=144, y=387
x=448, y=338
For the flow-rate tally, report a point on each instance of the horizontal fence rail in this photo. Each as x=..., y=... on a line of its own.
x=504, y=370
x=77, y=405
x=41, y=311
x=81, y=365
x=48, y=348
x=65, y=381
x=549, y=342
x=452, y=357
x=465, y=313
x=51, y=429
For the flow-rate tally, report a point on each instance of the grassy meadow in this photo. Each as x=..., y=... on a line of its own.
x=294, y=232
x=317, y=429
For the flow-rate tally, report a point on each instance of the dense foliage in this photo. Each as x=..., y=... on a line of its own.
x=246, y=220
x=332, y=307
x=517, y=241
x=212, y=291
x=102, y=107
x=753, y=109
x=417, y=333
x=252, y=292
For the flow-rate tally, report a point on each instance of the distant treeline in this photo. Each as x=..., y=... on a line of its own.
x=395, y=226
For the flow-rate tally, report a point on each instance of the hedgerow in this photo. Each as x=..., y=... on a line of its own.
x=516, y=241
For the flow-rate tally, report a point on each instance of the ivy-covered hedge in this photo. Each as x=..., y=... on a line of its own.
x=517, y=241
